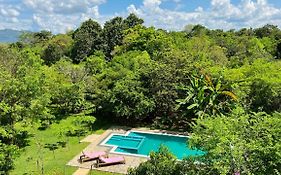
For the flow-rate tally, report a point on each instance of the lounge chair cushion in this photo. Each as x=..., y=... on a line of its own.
x=94, y=154
x=112, y=159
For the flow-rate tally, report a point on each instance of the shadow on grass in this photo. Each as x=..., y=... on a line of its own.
x=23, y=139
x=101, y=125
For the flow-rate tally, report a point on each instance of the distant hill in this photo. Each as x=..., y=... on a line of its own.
x=9, y=35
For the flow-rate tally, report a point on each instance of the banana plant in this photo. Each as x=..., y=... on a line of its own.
x=205, y=96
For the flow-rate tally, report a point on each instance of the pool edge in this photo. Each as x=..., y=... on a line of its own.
x=114, y=147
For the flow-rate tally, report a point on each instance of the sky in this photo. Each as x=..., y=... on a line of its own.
x=60, y=16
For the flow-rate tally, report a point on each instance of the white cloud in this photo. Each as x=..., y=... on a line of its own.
x=199, y=9
x=223, y=8
x=221, y=14
x=9, y=12
x=151, y=3
x=60, y=23
x=62, y=15
x=154, y=15
x=9, y=16
x=132, y=9
x=249, y=7
x=15, y=23
x=61, y=6
x=55, y=15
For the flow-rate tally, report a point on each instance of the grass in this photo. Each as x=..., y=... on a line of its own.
x=36, y=158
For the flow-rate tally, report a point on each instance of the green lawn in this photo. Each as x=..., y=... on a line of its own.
x=35, y=158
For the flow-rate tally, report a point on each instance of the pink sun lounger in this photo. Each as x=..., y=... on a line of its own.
x=87, y=156
x=105, y=161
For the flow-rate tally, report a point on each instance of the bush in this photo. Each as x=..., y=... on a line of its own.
x=160, y=163
x=240, y=142
x=163, y=162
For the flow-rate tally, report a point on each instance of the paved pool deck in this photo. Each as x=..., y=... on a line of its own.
x=95, y=140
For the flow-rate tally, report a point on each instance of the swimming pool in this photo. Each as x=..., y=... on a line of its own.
x=142, y=143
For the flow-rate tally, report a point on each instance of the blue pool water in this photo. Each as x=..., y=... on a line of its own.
x=143, y=143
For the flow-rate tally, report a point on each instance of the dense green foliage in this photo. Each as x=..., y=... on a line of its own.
x=137, y=75
x=240, y=142
x=161, y=162
x=164, y=163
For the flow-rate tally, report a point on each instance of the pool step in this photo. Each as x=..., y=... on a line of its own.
x=121, y=138
x=134, y=138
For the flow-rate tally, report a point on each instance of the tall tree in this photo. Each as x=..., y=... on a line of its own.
x=112, y=35
x=198, y=30
x=58, y=47
x=268, y=31
x=113, y=32
x=132, y=20
x=36, y=37
x=87, y=39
